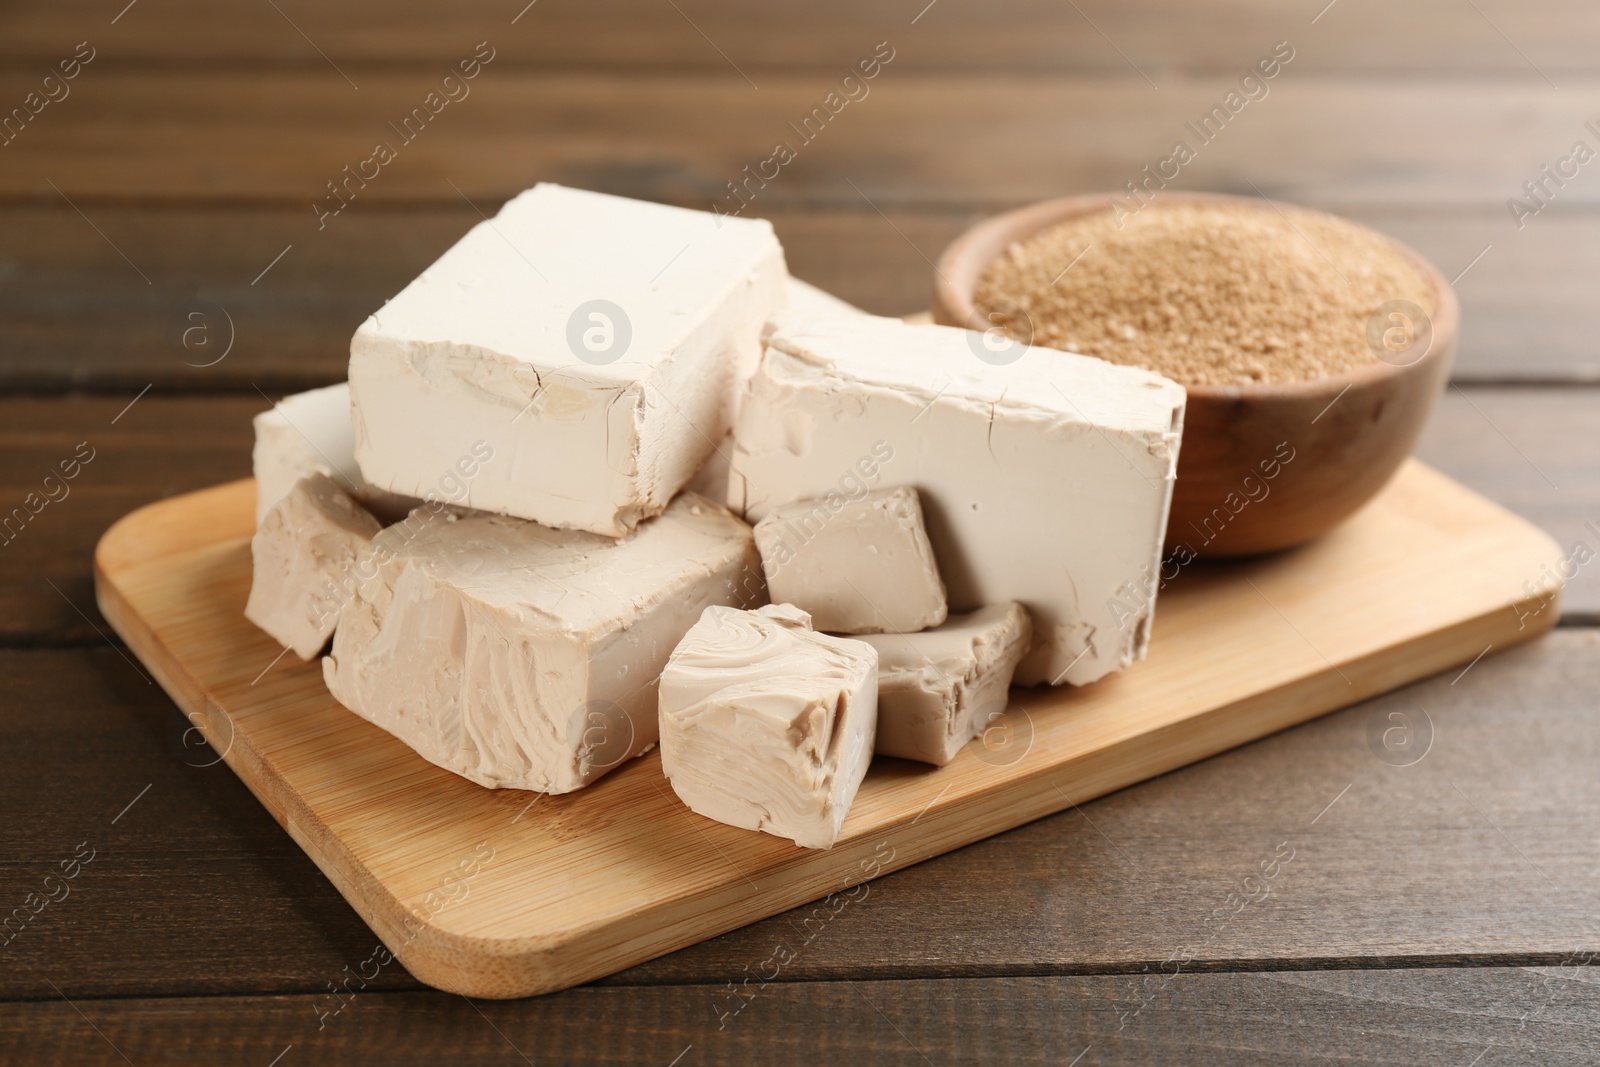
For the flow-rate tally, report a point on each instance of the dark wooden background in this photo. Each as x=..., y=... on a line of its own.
x=1440, y=913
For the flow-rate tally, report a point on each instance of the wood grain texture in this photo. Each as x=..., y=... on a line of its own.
x=916, y=140
x=1159, y=36
x=1401, y=871
x=1441, y=1018
x=1519, y=446
x=74, y=314
x=473, y=902
x=157, y=448
x=192, y=887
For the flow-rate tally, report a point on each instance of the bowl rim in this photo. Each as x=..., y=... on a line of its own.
x=953, y=305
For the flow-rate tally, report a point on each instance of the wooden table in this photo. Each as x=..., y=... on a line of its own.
x=170, y=259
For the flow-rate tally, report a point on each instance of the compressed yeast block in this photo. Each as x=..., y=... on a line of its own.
x=301, y=556
x=807, y=299
x=711, y=479
x=941, y=688
x=1045, y=477
x=594, y=343
x=767, y=724
x=525, y=657
x=856, y=565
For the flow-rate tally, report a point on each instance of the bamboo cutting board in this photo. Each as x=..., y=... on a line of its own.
x=504, y=893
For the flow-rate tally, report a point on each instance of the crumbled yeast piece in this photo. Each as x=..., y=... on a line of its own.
x=767, y=724
x=859, y=565
x=941, y=688
x=300, y=557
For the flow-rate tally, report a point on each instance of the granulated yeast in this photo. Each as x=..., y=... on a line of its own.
x=1204, y=294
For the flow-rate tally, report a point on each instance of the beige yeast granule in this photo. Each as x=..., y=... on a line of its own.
x=1205, y=294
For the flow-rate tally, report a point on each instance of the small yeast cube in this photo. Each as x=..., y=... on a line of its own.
x=856, y=565
x=767, y=724
x=941, y=688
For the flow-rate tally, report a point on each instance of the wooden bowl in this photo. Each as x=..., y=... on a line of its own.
x=1262, y=467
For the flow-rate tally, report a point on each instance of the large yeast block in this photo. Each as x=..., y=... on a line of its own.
x=1045, y=477
x=526, y=657
x=595, y=343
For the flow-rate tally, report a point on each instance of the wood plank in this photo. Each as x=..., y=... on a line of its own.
x=191, y=887
x=74, y=315
x=1439, y=1017
x=1533, y=451
x=475, y=903
x=916, y=140
x=169, y=445
x=1126, y=882
x=157, y=448
x=1160, y=36
x=1525, y=311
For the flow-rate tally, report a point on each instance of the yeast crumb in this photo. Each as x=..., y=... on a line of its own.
x=1205, y=294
